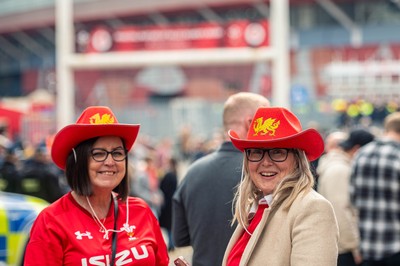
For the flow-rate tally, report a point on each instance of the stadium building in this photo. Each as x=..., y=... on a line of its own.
x=343, y=53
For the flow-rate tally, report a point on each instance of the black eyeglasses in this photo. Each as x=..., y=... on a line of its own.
x=276, y=155
x=100, y=155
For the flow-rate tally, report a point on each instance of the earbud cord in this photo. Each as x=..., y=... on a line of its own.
x=102, y=227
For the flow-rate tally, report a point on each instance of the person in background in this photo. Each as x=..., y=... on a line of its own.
x=145, y=183
x=281, y=219
x=39, y=178
x=202, y=204
x=10, y=178
x=334, y=180
x=333, y=140
x=97, y=223
x=168, y=186
x=5, y=142
x=375, y=193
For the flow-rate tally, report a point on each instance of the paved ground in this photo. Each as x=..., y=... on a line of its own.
x=186, y=252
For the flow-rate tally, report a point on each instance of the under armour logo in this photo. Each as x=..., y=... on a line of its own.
x=79, y=235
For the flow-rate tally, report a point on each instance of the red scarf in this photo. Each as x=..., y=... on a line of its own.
x=237, y=251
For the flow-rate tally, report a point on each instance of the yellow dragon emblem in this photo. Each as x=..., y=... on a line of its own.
x=104, y=119
x=267, y=126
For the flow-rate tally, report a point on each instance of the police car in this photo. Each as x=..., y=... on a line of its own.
x=17, y=213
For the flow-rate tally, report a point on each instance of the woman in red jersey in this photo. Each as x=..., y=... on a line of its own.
x=282, y=221
x=97, y=223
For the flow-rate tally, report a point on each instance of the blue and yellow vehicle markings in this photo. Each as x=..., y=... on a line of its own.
x=17, y=214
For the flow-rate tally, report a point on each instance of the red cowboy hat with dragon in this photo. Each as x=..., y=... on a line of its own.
x=95, y=121
x=277, y=127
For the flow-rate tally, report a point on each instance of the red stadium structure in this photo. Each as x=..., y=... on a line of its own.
x=165, y=61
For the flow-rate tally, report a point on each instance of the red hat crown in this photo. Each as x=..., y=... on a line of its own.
x=277, y=127
x=95, y=121
x=273, y=123
x=97, y=116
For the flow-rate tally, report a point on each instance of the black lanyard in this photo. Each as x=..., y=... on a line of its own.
x=114, y=236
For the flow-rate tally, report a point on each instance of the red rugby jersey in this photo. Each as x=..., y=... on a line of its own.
x=66, y=234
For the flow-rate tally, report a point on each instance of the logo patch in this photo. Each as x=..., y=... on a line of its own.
x=267, y=126
x=130, y=231
x=104, y=119
x=80, y=235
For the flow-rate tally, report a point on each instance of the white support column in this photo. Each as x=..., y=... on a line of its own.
x=280, y=44
x=187, y=57
x=68, y=60
x=65, y=102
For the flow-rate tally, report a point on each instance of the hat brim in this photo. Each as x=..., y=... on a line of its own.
x=310, y=141
x=71, y=135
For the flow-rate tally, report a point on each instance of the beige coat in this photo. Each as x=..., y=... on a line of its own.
x=305, y=235
x=334, y=179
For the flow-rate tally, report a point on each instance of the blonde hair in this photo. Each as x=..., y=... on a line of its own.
x=392, y=122
x=299, y=180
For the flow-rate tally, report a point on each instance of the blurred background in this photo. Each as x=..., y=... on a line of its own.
x=169, y=65
x=344, y=63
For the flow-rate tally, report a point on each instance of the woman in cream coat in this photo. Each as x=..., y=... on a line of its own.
x=282, y=220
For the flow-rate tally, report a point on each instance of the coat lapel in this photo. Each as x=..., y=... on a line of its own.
x=258, y=232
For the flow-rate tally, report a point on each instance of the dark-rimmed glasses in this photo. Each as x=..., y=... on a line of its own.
x=276, y=155
x=100, y=155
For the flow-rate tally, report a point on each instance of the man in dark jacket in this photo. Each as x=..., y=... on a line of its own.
x=202, y=204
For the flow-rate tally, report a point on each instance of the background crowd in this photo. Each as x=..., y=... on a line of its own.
x=350, y=167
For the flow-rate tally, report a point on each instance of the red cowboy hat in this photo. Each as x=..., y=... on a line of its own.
x=95, y=121
x=276, y=127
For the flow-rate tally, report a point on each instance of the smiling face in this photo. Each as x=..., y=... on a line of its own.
x=267, y=174
x=106, y=175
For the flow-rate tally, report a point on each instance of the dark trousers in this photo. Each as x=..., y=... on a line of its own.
x=393, y=260
x=346, y=259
